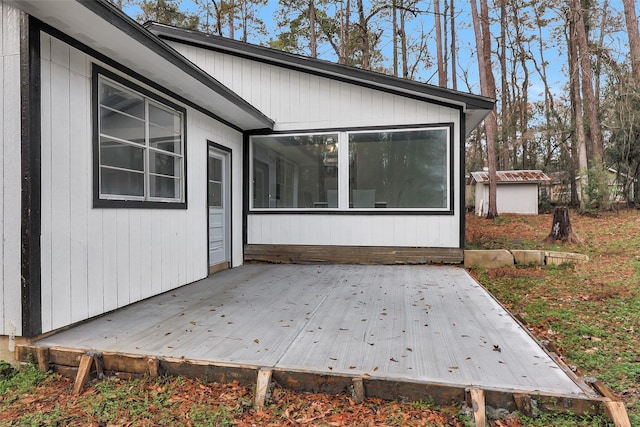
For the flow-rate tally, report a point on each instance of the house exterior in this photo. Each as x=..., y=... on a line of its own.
x=135, y=161
x=516, y=191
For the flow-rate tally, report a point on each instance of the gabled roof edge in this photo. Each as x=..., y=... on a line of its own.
x=469, y=101
x=119, y=19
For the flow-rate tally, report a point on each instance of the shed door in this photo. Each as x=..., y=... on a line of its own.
x=219, y=210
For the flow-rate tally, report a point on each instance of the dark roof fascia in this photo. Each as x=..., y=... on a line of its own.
x=319, y=66
x=120, y=20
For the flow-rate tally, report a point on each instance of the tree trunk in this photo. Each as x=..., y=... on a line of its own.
x=561, y=228
x=345, y=10
x=442, y=77
x=506, y=111
x=634, y=38
x=581, y=138
x=312, y=29
x=487, y=88
x=600, y=48
x=445, y=41
x=364, y=35
x=231, y=17
x=404, y=54
x=590, y=102
x=394, y=11
x=523, y=109
x=454, y=77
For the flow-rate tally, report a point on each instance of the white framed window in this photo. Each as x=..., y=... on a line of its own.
x=407, y=169
x=139, y=147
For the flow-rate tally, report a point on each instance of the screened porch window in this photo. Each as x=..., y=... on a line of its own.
x=140, y=146
x=406, y=169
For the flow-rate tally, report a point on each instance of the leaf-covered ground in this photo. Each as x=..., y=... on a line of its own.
x=186, y=402
x=589, y=313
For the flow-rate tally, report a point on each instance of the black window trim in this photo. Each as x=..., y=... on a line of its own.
x=99, y=202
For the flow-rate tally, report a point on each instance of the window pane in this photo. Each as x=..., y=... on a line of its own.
x=215, y=194
x=118, y=125
x=165, y=128
x=121, y=182
x=164, y=164
x=406, y=169
x=295, y=171
x=215, y=169
x=140, y=145
x=119, y=155
x=119, y=99
x=163, y=187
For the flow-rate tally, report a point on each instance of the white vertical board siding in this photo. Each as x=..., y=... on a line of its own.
x=10, y=181
x=355, y=230
x=299, y=101
x=97, y=260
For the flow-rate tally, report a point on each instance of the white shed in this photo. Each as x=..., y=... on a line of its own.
x=517, y=191
x=134, y=161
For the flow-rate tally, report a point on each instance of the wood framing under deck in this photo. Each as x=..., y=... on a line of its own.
x=380, y=255
x=395, y=332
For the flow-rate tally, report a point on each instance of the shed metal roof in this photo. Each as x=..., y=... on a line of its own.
x=476, y=107
x=512, y=177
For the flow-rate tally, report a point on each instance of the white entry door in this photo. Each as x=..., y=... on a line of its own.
x=219, y=210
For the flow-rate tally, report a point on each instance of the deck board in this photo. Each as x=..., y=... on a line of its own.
x=414, y=323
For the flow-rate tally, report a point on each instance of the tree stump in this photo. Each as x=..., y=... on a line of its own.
x=561, y=228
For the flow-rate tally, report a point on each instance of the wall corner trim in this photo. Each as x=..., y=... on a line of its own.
x=30, y=145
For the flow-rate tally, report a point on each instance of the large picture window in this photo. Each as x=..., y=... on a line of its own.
x=406, y=169
x=402, y=169
x=140, y=147
x=295, y=171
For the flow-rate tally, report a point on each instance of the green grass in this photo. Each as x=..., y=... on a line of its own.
x=596, y=334
x=18, y=381
x=221, y=416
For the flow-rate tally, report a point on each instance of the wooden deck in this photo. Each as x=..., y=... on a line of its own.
x=406, y=331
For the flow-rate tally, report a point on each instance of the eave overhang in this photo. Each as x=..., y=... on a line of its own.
x=105, y=29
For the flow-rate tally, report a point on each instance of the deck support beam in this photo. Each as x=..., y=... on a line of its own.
x=478, y=405
x=613, y=407
x=523, y=404
x=262, y=388
x=83, y=373
x=154, y=367
x=358, y=390
x=84, y=369
x=617, y=412
x=42, y=356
